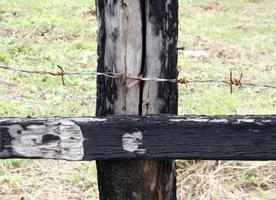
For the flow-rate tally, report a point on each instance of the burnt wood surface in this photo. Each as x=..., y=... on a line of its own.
x=137, y=37
x=154, y=137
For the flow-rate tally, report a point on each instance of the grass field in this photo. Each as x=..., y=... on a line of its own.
x=42, y=34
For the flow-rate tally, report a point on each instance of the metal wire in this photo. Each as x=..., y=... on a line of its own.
x=231, y=82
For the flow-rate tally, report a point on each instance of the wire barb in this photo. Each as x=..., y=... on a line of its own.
x=231, y=81
x=181, y=48
x=182, y=81
x=235, y=82
x=61, y=74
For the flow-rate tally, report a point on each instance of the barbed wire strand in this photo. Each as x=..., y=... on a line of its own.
x=61, y=73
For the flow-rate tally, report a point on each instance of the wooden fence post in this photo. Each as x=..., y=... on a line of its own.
x=138, y=38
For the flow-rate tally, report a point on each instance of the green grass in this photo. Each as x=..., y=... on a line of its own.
x=43, y=34
x=238, y=35
x=78, y=176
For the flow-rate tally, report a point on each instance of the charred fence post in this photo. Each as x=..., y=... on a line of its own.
x=139, y=38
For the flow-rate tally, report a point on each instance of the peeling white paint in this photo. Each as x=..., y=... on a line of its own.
x=266, y=121
x=89, y=119
x=219, y=121
x=189, y=120
x=135, y=119
x=2, y=120
x=259, y=123
x=28, y=141
x=132, y=141
x=176, y=120
x=246, y=120
x=196, y=120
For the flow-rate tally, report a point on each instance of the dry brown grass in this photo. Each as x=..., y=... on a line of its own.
x=196, y=180
x=221, y=180
x=47, y=180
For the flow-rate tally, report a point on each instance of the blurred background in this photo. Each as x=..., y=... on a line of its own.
x=217, y=36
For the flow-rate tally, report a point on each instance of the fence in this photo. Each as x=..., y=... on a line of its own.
x=151, y=137
x=61, y=73
x=137, y=45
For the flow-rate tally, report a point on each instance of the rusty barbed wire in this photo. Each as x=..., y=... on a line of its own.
x=61, y=73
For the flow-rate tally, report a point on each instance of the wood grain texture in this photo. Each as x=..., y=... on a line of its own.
x=161, y=33
x=161, y=57
x=38, y=138
x=141, y=27
x=132, y=137
x=119, y=51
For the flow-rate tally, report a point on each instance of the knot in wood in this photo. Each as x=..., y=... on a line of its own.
x=132, y=141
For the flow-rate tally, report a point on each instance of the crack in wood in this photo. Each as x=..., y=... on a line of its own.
x=126, y=35
x=143, y=61
x=137, y=50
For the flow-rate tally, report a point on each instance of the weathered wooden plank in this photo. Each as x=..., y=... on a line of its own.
x=154, y=137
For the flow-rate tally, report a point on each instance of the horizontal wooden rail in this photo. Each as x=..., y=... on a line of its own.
x=152, y=137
